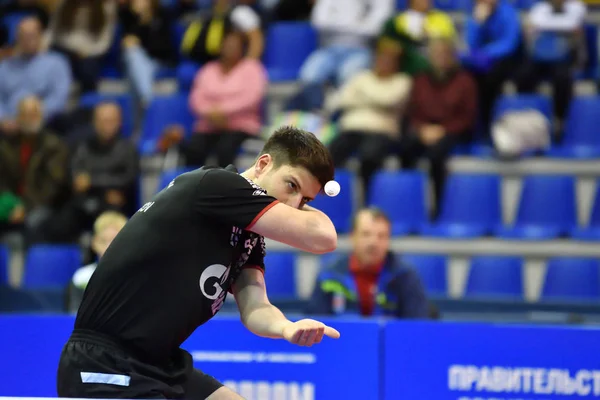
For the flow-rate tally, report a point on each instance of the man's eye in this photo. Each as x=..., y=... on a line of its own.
x=292, y=185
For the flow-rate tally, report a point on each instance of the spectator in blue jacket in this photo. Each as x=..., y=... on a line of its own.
x=494, y=40
x=371, y=281
x=31, y=71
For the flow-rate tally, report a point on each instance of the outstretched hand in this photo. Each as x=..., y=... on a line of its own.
x=307, y=332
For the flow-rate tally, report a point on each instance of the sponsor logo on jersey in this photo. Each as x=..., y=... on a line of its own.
x=212, y=280
x=258, y=191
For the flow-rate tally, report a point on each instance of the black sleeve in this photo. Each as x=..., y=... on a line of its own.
x=231, y=199
x=257, y=256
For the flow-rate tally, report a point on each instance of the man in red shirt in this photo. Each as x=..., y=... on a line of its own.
x=442, y=112
x=371, y=281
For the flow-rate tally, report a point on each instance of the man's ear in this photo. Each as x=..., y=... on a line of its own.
x=262, y=165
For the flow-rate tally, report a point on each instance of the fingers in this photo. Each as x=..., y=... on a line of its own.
x=332, y=333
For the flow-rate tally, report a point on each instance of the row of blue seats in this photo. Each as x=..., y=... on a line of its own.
x=471, y=206
x=490, y=276
x=581, y=137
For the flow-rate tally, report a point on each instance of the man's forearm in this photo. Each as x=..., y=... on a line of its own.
x=266, y=321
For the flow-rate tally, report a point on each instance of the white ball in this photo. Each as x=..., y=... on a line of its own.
x=332, y=188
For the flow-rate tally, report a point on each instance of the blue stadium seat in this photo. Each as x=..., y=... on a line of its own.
x=280, y=274
x=162, y=112
x=453, y=5
x=341, y=207
x=495, y=276
x=167, y=176
x=575, y=279
x=124, y=101
x=546, y=209
x=470, y=207
x=288, y=44
x=432, y=270
x=186, y=72
x=401, y=5
x=111, y=68
x=3, y=265
x=11, y=22
x=592, y=231
x=401, y=195
x=51, y=266
x=581, y=138
x=590, y=69
x=326, y=260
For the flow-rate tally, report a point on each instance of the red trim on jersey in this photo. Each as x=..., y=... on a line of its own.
x=260, y=214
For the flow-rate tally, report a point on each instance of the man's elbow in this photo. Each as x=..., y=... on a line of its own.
x=326, y=242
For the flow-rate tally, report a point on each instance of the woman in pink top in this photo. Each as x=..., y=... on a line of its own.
x=226, y=97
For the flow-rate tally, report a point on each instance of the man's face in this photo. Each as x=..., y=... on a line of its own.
x=441, y=56
x=104, y=238
x=107, y=121
x=293, y=186
x=29, y=37
x=30, y=118
x=370, y=239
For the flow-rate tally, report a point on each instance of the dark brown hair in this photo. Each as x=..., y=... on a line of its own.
x=374, y=212
x=67, y=10
x=292, y=146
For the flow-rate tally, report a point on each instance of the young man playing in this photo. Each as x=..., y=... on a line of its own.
x=170, y=268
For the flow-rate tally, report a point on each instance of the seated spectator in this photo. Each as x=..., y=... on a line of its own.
x=11, y=8
x=104, y=167
x=148, y=28
x=32, y=72
x=443, y=113
x=203, y=38
x=290, y=10
x=346, y=30
x=106, y=228
x=493, y=36
x=371, y=281
x=371, y=104
x=555, y=32
x=83, y=30
x=226, y=97
x=33, y=174
x=413, y=29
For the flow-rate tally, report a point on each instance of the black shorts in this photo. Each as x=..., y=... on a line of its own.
x=95, y=366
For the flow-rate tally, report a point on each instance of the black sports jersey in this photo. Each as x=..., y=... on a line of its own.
x=169, y=269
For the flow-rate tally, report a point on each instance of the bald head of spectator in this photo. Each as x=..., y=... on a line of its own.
x=30, y=116
x=29, y=37
x=442, y=55
x=107, y=121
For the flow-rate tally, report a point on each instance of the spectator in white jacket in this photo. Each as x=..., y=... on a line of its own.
x=372, y=104
x=555, y=33
x=346, y=28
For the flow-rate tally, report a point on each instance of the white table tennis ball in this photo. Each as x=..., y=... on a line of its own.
x=332, y=188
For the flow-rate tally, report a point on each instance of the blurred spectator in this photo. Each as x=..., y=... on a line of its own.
x=104, y=167
x=493, y=36
x=346, y=29
x=413, y=28
x=148, y=28
x=227, y=98
x=371, y=281
x=443, y=113
x=556, y=48
x=33, y=174
x=371, y=104
x=83, y=30
x=203, y=38
x=106, y=228
x=32, y=71
x=13, y=8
